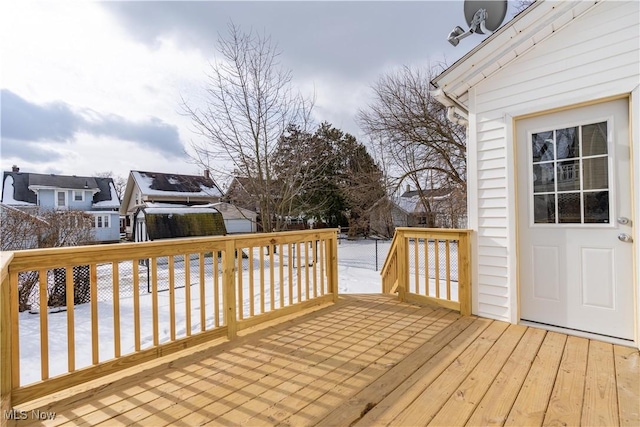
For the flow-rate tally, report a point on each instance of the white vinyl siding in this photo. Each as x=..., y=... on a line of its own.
x=593, y=57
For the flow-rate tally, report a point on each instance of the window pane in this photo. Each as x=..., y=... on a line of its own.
x=543, y=178
x=77, y=195
x=594, y=139
x=544, y=209
x=567, y=143
x=61, y=198
x=99, y=222
x=542, y=145
x=596, y=207
x=596, y=173
x=569, y=208
x=569, y=175
x=106, y=222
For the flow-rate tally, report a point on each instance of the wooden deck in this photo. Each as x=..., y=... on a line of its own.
x=372, y=360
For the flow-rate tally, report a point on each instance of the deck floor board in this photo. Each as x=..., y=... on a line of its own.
x=371, y=360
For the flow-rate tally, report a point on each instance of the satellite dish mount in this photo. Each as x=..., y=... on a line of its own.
x=483, y=17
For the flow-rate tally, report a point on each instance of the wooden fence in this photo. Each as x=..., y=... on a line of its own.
x=225, y=284
x=429, y=265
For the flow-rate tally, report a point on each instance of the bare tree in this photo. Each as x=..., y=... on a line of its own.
x=412, y=136
x=41, y=228
x=521, y=5
x=18, y=229
x=250, y=102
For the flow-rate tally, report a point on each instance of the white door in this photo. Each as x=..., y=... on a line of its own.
x=574, y=210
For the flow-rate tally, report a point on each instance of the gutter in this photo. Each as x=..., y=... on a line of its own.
x=456, y=113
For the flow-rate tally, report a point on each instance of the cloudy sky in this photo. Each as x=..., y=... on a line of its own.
x=88, y=87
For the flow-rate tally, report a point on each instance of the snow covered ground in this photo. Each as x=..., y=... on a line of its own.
x=356, y=274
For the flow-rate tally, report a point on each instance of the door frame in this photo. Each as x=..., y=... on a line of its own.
x=511, y=121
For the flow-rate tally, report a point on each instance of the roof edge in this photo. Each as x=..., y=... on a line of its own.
x=486, y=41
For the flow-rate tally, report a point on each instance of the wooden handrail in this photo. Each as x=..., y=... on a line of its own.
x=392, y=248
x=389, y=272
x=216, y=268
x=431, y=274
x=6, y=387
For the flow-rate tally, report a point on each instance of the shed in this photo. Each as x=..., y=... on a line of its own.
x=551, y=102
x=236, y=219
x=155, y=223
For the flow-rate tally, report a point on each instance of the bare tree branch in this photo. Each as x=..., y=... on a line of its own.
x=249, y=104
x=410, y=133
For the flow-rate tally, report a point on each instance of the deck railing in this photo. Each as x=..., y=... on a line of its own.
x=429, y=265
x=145, y=300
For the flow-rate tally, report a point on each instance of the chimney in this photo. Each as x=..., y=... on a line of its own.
x=207, y=175
x=15, y=169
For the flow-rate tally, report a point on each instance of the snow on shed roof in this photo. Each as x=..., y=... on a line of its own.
x=180, y=210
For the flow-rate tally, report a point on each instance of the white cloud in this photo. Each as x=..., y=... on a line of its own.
x=74, y=51
x=135, y=60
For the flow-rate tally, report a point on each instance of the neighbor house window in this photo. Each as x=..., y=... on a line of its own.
x=78, y=196
x=61, y=199
x=102, y=221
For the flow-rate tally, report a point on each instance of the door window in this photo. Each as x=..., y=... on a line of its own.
x=571, y=175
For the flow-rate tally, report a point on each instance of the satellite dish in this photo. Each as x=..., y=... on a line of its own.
x=482, y=16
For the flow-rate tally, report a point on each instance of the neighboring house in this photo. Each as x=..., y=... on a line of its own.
x=551, y=102
x=244, y=194
x=446, y=210
x=385, y=216
x=237, y=219
x=239, y=194
x=408, y=210
x=170, y=189
x=93, y=195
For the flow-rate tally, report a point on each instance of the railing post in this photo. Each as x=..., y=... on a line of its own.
x=402, y=265
x=229, y=288
x=5, y=338
x=464, y=275
x=332, y=268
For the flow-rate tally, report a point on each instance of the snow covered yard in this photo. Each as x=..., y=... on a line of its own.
x=291, y=283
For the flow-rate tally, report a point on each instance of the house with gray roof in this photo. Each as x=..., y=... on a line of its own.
x=146, y=189
x=432, y=208
x=93, y=195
